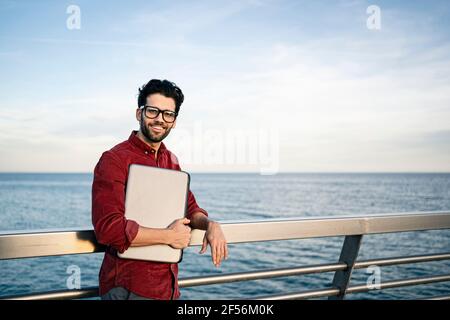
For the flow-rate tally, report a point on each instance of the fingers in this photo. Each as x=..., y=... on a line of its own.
x=215, y=254
x=226, y=250
x=180, y=221
x=219, y=247
x=204, y=245
x=187, y=242
x=222, y=252
x=218, y=253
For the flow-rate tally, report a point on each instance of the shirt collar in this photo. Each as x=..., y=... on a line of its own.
x=138, y=143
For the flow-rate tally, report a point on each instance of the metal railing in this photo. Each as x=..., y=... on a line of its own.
x=353, y=228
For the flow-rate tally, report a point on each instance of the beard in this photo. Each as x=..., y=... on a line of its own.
x=149, y=135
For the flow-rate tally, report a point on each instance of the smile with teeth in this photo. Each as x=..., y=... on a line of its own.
x=157, y=128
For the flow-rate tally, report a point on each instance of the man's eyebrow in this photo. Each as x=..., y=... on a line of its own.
x=161, y=108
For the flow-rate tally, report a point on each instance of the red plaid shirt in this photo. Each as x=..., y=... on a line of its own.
x=153, y=280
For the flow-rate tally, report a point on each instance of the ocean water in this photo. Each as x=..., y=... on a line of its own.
x=42, y=201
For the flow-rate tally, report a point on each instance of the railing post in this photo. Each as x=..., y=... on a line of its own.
x=349, y=253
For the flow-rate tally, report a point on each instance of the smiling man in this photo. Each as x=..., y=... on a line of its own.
x=159, y=103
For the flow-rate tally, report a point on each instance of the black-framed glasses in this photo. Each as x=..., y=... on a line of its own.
x=153, y=112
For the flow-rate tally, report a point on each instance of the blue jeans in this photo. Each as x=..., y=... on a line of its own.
x=120, y=293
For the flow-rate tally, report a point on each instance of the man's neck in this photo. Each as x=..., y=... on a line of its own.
x=151, y=144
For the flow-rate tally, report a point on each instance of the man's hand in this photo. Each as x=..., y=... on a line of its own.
x=216, y=239
x=180, y=233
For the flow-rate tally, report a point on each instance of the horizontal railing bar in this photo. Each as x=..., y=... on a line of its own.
x=355, y=289
x=402, y=260
x=90, y=292
x=197, y=281
x=15, y=245
x=49, y=243
x=270, y=273
x=264, y=274
x=439, y=298
x=320, y=268
x=93, y=292
x=327, y=292
x=400, y=283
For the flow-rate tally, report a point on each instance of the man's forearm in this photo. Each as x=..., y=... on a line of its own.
x=200, y=221
x=150, y=236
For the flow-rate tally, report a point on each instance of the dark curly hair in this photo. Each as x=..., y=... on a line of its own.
x=164, y=87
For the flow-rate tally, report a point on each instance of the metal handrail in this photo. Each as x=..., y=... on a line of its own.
x=14, y=245
x=253, y=275
x=439, y=298
x=357, y=289
x=26, y=244
x=89, y=292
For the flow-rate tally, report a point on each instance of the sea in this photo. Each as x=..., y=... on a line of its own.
x=31, y=201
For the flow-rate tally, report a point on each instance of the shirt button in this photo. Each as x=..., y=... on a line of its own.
x=146, y=152
x=153, y=150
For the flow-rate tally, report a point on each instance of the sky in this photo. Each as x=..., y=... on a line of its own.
x=270, y=86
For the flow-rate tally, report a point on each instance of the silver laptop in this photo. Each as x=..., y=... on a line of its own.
x=155, y=197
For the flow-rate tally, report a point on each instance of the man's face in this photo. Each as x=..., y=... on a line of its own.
x=155, y=130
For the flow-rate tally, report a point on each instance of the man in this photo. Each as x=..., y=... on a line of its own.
x=158, y=107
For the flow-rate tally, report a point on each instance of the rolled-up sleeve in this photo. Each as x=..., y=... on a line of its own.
x=193, y=206
x=108, y=204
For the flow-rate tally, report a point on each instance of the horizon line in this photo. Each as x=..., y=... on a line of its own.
x=246, y=172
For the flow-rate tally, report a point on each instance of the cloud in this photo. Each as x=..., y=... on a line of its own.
x=345, y=100
x=187, y=18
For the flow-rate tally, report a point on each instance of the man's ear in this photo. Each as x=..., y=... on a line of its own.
x=138, y=114
x=174, y=124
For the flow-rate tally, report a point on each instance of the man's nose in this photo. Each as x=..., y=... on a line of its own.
x=159, y=117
